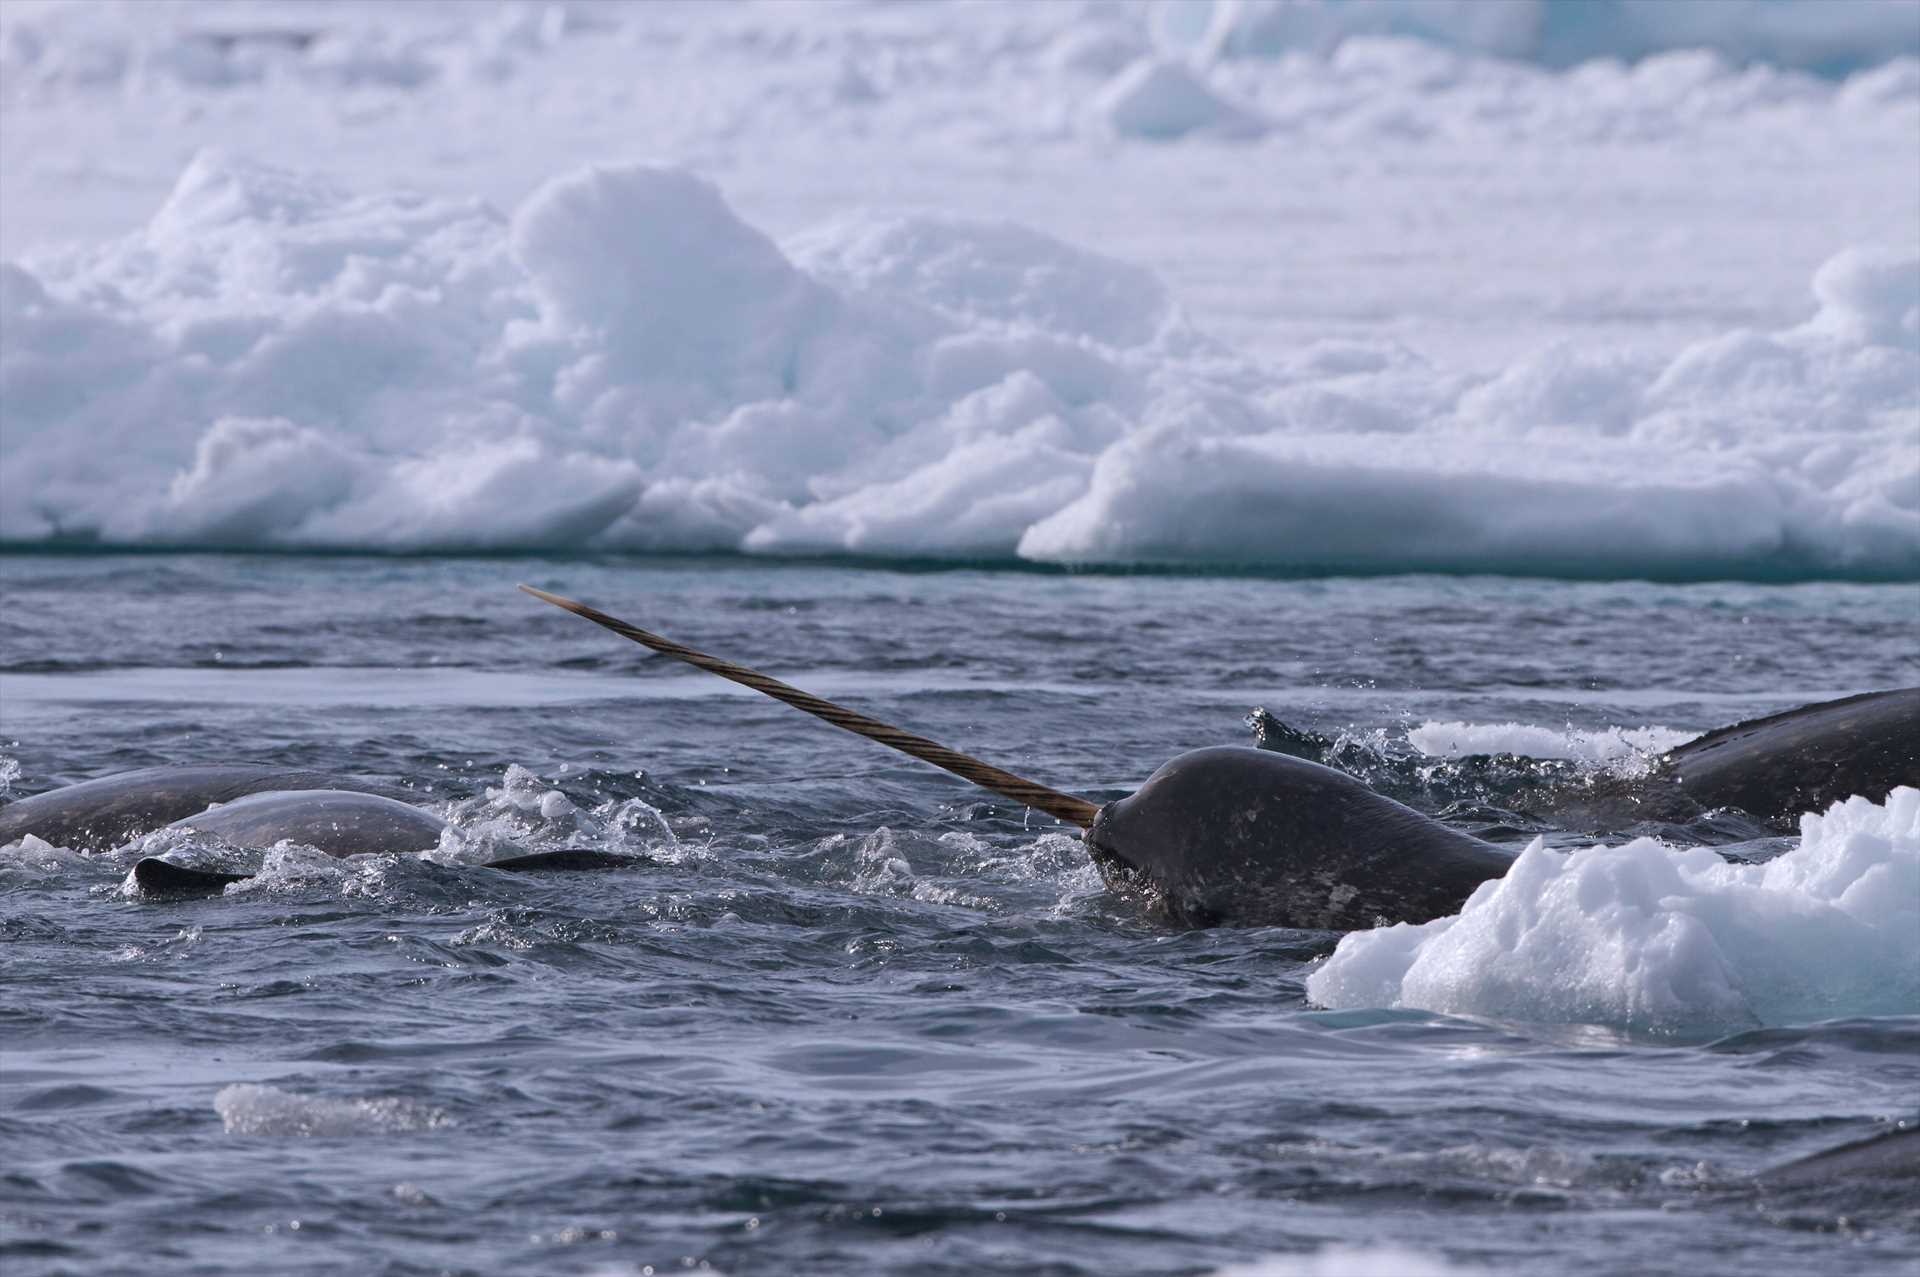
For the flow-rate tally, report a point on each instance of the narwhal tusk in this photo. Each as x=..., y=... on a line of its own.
x=1075, y=811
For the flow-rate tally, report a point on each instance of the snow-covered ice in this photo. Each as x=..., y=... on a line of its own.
x=1342, y=287
x=1651, y=939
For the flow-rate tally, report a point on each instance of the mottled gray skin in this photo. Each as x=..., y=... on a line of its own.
x=1244, y=836
x=1894, y=1155
x=1773, y=768
x=338, y=822
x=1805, y=759
x=98, y=815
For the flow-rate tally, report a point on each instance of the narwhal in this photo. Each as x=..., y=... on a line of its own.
x=247, y=806
x=1772, y=768
x=1222, y=835
x=1236, y=835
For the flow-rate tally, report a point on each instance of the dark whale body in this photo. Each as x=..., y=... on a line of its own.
x=98, y=815
x=1885, y=1158
x=1234, y=835
x=1772, y=769
x=1805, y=759
x=250, y=807
x=1267, y=838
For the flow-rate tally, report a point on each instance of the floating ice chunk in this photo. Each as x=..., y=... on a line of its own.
x=1648, y=939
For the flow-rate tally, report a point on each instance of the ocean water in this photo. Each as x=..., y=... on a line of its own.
x=852, y=1015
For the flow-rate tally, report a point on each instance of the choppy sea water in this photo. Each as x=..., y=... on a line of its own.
x=853, y=1015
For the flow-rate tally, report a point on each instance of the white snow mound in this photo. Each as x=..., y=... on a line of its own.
x=625, y=364
x=1645, y=938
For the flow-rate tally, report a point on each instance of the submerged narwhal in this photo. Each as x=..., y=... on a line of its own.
x=246, y=805
x=1771, y=769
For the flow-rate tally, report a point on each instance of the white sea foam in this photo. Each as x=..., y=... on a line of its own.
x=1649, y=939
x=1611, y=745
x=34, y=857
x=1353, y=1261
x=250, y=1109
x=525, y=814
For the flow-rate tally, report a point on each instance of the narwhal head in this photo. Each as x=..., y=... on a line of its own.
x=1186, y=839
x=1237, y=835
